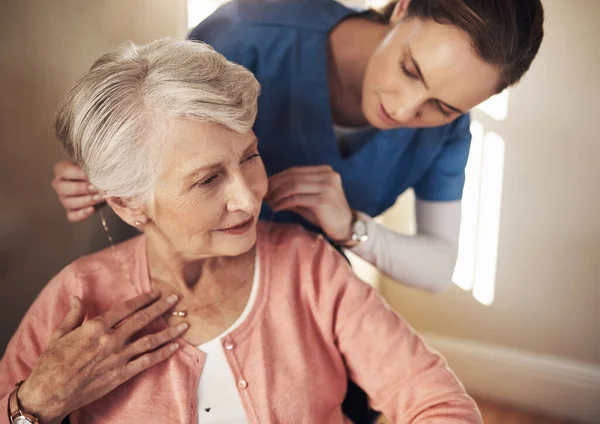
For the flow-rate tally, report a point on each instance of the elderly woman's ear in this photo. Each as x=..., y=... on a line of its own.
x=128, y=210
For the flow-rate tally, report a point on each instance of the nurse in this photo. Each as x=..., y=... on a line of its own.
x=358, y=107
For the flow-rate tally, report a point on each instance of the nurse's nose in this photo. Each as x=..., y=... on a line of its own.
x=407, y=105
x=404, y=115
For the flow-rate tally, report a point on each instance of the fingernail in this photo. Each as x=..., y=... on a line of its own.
x=172, y=299
x=182, y=326
x=97, y=197
x=92, y=188
x=174, y=347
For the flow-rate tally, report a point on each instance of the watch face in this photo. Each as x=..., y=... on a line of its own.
x=22, y=420
x=360, y=231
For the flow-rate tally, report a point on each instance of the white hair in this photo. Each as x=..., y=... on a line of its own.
x=112, y=119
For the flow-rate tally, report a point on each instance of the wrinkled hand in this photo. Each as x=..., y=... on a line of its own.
x=316, y=194
x=85, y=362
x=74, y=191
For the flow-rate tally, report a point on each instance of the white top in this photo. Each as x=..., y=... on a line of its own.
x=218, y=397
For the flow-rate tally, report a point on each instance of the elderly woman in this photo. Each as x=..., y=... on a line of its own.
x=225, y=319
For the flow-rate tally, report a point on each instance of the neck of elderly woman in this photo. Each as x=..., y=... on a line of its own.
x=187, y=274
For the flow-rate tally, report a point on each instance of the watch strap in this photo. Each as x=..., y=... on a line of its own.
x=353, y=241
x=14, y=409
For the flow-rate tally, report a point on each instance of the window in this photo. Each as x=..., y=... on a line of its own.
x=200, y=9
x=478, y=243
x=376, y=4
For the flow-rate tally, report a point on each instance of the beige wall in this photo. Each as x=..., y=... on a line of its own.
x=547, y=297
x=44, y=46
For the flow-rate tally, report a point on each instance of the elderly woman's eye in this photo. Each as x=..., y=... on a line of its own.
x=207, y=181
x=250, y=157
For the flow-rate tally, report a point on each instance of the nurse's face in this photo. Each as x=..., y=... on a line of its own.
x=424, y=74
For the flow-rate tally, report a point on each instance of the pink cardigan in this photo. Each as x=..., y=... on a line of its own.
x=314, y=324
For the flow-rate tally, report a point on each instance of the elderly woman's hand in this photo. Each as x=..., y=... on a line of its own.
x=316, y=194
x=85, y=362
x=74, y=191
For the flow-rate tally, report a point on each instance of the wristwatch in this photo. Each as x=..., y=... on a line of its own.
x=15, y=414
x=359, y=234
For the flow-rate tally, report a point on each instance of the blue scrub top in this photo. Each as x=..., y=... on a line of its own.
x=284, y=43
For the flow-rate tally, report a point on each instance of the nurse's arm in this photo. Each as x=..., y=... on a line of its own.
x=425, y=260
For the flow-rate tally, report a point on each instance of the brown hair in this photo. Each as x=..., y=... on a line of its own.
x=505, y=33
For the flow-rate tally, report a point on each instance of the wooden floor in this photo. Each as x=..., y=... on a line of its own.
x=495, y=413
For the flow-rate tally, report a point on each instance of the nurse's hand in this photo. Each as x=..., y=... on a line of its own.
x=316, y=194
x=74, y=191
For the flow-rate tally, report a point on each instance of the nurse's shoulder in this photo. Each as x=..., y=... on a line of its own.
x=239, y=16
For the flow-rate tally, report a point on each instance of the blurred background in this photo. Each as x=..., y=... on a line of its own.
x=521, y=324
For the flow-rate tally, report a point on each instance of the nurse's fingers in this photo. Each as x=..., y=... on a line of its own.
x=290, y=186
x=81, y=214
x=308, y=169
x=67, y=170
x=304, y=170
x=65, y=188
x=326, y=210
x=309, y=201
x=326, y=177
x=74, y=203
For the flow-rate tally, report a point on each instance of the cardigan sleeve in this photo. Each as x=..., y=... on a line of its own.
x=403, y=378
x=33, y=334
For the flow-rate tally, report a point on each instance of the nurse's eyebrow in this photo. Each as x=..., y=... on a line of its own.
x=422, y=78
x=418, y=68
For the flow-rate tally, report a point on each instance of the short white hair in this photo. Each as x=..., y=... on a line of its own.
x=114, y=116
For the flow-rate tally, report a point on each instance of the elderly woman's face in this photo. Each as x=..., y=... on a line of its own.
x=209, y=190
